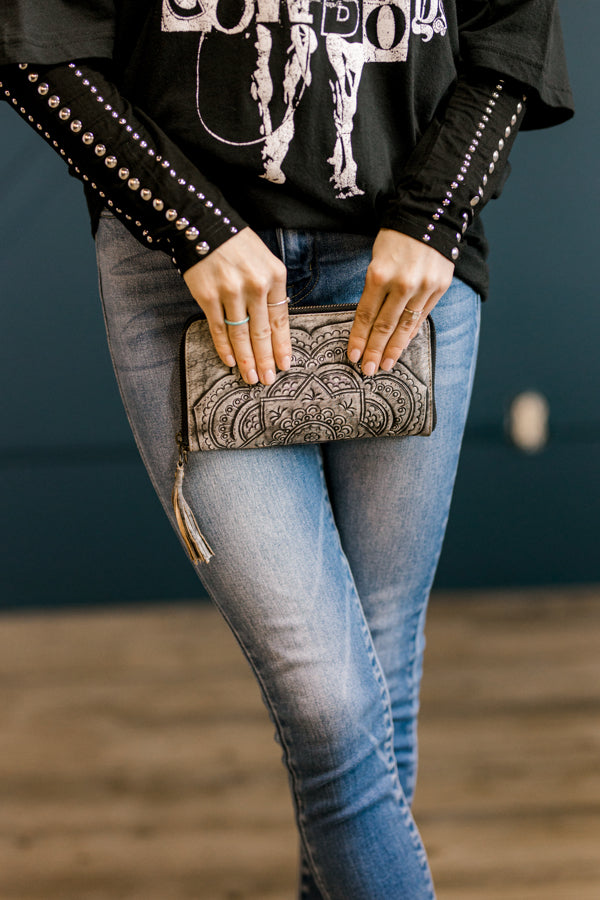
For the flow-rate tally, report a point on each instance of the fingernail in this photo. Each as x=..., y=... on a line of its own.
x=252, y=377
x=230, y=361
x=369, y=368
x=268, y=377
x=354, y=355
x=387, y=365
x=286, y=363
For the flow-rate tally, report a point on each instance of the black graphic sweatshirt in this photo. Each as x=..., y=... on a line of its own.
x=193, y=118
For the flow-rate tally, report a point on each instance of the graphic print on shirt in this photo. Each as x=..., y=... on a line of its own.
x=353, y=32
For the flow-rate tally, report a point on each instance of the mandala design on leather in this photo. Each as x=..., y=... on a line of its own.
x=322, y=397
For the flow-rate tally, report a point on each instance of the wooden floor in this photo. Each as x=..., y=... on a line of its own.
x=137, y=763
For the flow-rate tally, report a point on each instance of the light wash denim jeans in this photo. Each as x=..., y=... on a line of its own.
x=325, y=556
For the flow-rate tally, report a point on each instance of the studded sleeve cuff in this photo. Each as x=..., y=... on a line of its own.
x=118, y=152
x=459, y=163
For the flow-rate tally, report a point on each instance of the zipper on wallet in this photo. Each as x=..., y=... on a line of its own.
x=183, y=436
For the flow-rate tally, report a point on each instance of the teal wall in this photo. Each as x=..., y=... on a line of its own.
x=80, y=523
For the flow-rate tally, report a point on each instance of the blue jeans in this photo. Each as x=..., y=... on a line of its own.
x=325, y=556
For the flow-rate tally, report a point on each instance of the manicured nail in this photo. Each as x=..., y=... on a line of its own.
x=286, y=363
x=369, y=368
x=354, y=355
x=268, y=377
x=387, y=365
x=252, y=377
x=230, y=361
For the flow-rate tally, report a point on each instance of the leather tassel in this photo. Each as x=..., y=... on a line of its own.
x=197, y=547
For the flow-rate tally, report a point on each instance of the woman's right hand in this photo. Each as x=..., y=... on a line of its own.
x=243, y=278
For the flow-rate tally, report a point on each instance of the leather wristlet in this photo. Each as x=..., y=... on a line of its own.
x=321, y=397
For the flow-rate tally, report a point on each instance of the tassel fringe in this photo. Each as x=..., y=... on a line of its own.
x=197, y=547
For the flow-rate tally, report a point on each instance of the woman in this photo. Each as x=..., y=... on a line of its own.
x=314, y=153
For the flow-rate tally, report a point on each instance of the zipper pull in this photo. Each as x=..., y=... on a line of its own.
x=197, y=546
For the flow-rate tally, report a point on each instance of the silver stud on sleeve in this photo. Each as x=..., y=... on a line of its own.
x=455, y=253
x=102, y=153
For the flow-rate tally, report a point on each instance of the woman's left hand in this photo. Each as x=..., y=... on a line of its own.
x=404, y=281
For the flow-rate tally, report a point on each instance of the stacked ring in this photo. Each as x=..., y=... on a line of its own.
x=415, y=313
x=241, y=322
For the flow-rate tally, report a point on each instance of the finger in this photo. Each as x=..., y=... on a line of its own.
x=239, y=337
x=261, y=290
x=369, y=306
x=260, y=339
x=218, y=332
x=408, y=326
x=280, y=329
x=417, y=326
x=392, y=327
x=429, y=306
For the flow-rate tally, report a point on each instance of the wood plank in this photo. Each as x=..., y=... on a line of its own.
x=137, y=761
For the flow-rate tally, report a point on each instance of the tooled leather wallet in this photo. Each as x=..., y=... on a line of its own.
x=321, y=397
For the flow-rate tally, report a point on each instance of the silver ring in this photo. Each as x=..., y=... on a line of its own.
x=279, y=302
x=241, y=322
x=415, y=313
